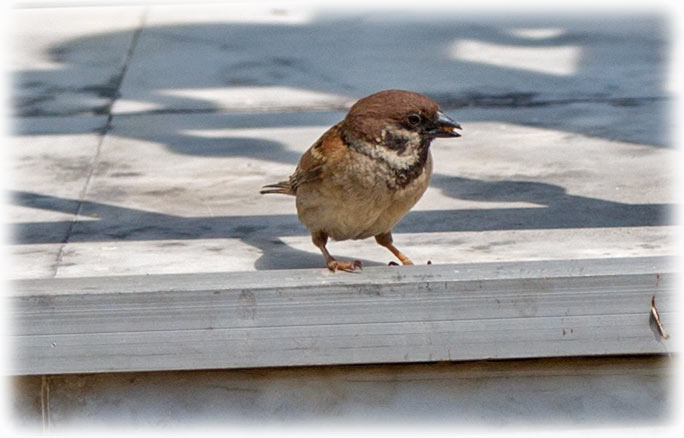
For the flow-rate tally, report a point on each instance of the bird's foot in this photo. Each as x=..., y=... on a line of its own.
x=335, y=265
x=392, y=264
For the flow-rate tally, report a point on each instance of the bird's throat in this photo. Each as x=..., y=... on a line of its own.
x=403, y=157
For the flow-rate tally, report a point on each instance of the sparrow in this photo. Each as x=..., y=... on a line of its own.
x=367, y=171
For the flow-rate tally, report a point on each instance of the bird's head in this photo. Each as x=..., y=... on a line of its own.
x=401, y=121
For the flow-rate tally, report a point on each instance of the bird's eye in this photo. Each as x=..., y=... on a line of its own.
x=413, y=119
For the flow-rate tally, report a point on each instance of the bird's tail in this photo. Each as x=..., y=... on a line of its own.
x=282, y=187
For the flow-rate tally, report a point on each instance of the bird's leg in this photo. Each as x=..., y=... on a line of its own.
x=320, y=239
x=386, y=241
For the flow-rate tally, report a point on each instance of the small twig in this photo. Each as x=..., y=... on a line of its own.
x=656, y=317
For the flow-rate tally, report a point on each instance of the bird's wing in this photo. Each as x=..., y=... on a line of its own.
x=319, y=156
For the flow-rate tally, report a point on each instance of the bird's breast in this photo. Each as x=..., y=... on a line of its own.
x=361, y=200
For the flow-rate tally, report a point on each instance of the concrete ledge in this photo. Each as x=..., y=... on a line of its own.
x=313, y=317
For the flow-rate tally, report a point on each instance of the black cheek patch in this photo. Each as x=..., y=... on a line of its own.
x=396, y=143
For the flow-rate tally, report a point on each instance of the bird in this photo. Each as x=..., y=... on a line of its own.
x=367, y=171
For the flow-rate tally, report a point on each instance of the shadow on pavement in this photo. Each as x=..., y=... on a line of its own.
x=620, y=74
x=112, y=223
x=618, y=78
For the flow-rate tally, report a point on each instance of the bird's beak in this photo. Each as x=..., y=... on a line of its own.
x=446, y=126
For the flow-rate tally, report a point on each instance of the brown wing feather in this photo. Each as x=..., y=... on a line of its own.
x=319, y=157
x=312, y=163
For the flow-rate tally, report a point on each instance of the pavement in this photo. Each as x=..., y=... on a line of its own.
x=141, y=134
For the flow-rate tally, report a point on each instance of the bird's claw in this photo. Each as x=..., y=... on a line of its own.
x=334, y=265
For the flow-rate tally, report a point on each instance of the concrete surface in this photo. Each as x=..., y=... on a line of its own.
x=142, y=134
x=497, y=395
